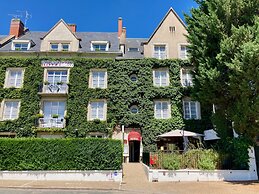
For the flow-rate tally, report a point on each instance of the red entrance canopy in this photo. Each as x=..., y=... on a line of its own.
x=134, y=136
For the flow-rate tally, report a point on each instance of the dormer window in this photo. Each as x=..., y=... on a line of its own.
x=21, y=45
x=133, y=49
x=99, y=46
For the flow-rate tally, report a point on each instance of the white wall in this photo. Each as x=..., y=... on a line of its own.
x=155, y=175
x=107, y=175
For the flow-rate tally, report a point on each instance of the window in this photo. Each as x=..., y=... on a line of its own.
x=161, y=77
x=99, y=46
x=14, y=78
x=97, y=110
x=65, y=47
x=186, y=77
x=53, y=109
x=191, y=109
x=56, y=76
x=160, y=52
x=132, y=49
x=59, y=46
x=183, y=52
x=21, y=45
x=133, y=77
x=134, y=109
x=10, y=109
x=162, y=109
x=98, y=78
x=53, y=47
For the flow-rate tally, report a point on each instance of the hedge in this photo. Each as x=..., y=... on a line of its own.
x=60, y=154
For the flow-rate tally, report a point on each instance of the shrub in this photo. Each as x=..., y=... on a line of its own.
x=60, y=154
x=171, y=161
x=192, y=159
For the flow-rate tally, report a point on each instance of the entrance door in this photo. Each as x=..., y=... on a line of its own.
x=134, y=151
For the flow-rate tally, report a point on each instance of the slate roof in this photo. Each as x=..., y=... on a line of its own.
x=87, y=37
x=134, y=43
x=85, y=43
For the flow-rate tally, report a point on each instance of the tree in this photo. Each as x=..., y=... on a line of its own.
x=223, y=36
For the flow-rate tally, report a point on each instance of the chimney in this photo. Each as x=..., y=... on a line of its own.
x=123, y=36
x=16, y=27
x=72, y=27
x=119, y=27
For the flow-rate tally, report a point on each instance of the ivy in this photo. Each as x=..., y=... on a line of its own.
x=121, y=94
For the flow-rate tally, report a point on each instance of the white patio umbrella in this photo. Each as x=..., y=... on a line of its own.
x=181, y=133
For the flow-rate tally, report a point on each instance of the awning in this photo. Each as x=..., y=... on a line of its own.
x=180, y=133
x=210, y=135
x=134, y=136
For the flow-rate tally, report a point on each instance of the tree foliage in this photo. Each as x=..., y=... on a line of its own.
x=224, y=50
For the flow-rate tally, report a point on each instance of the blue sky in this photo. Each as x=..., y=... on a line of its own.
x=140, y=17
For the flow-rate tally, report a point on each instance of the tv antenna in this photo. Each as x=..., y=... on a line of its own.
x=22, y=14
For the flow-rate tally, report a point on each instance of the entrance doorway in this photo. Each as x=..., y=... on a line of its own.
x=134, y=151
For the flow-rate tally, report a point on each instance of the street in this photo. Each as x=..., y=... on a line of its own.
x=58, y=191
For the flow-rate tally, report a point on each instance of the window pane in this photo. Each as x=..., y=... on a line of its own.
x=14, y=78
x=10, y=110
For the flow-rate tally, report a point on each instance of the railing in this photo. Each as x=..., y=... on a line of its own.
x=54, y=89
x=160, y=55
x=52, y=122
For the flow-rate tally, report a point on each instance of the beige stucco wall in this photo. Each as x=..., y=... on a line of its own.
x=60, y=34
x=172, y=40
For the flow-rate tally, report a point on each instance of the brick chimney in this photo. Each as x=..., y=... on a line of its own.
x=72, y=27
x=119, y=27
x=16, y=27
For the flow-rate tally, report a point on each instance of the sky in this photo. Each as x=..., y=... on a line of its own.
x=140, y=17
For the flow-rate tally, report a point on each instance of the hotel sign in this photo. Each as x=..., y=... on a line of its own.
x=57, y=64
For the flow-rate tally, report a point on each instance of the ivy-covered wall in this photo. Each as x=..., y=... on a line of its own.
x=120, y=95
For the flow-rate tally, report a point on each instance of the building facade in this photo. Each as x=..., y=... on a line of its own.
x=64, y=83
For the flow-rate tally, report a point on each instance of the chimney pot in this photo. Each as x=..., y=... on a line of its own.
x=16, y=27
x=72, y=27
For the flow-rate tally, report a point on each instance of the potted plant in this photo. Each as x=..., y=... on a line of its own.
x=59, y=83
x=54, y=116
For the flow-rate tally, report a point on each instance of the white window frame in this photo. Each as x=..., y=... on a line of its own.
x=162, y=111
x=159, y=55
x=46, y=70
x=28, y=42
x=60, y=46
x=7, y=77
x=91, y=78
x=99, y=43
x=89, y=113
x=180, y=51
x=197, y=109
x=160, y=78
x=189, y=77
x=51, y=100
x=2, y=110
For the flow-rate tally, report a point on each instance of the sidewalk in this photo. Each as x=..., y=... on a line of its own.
x=155, y=188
